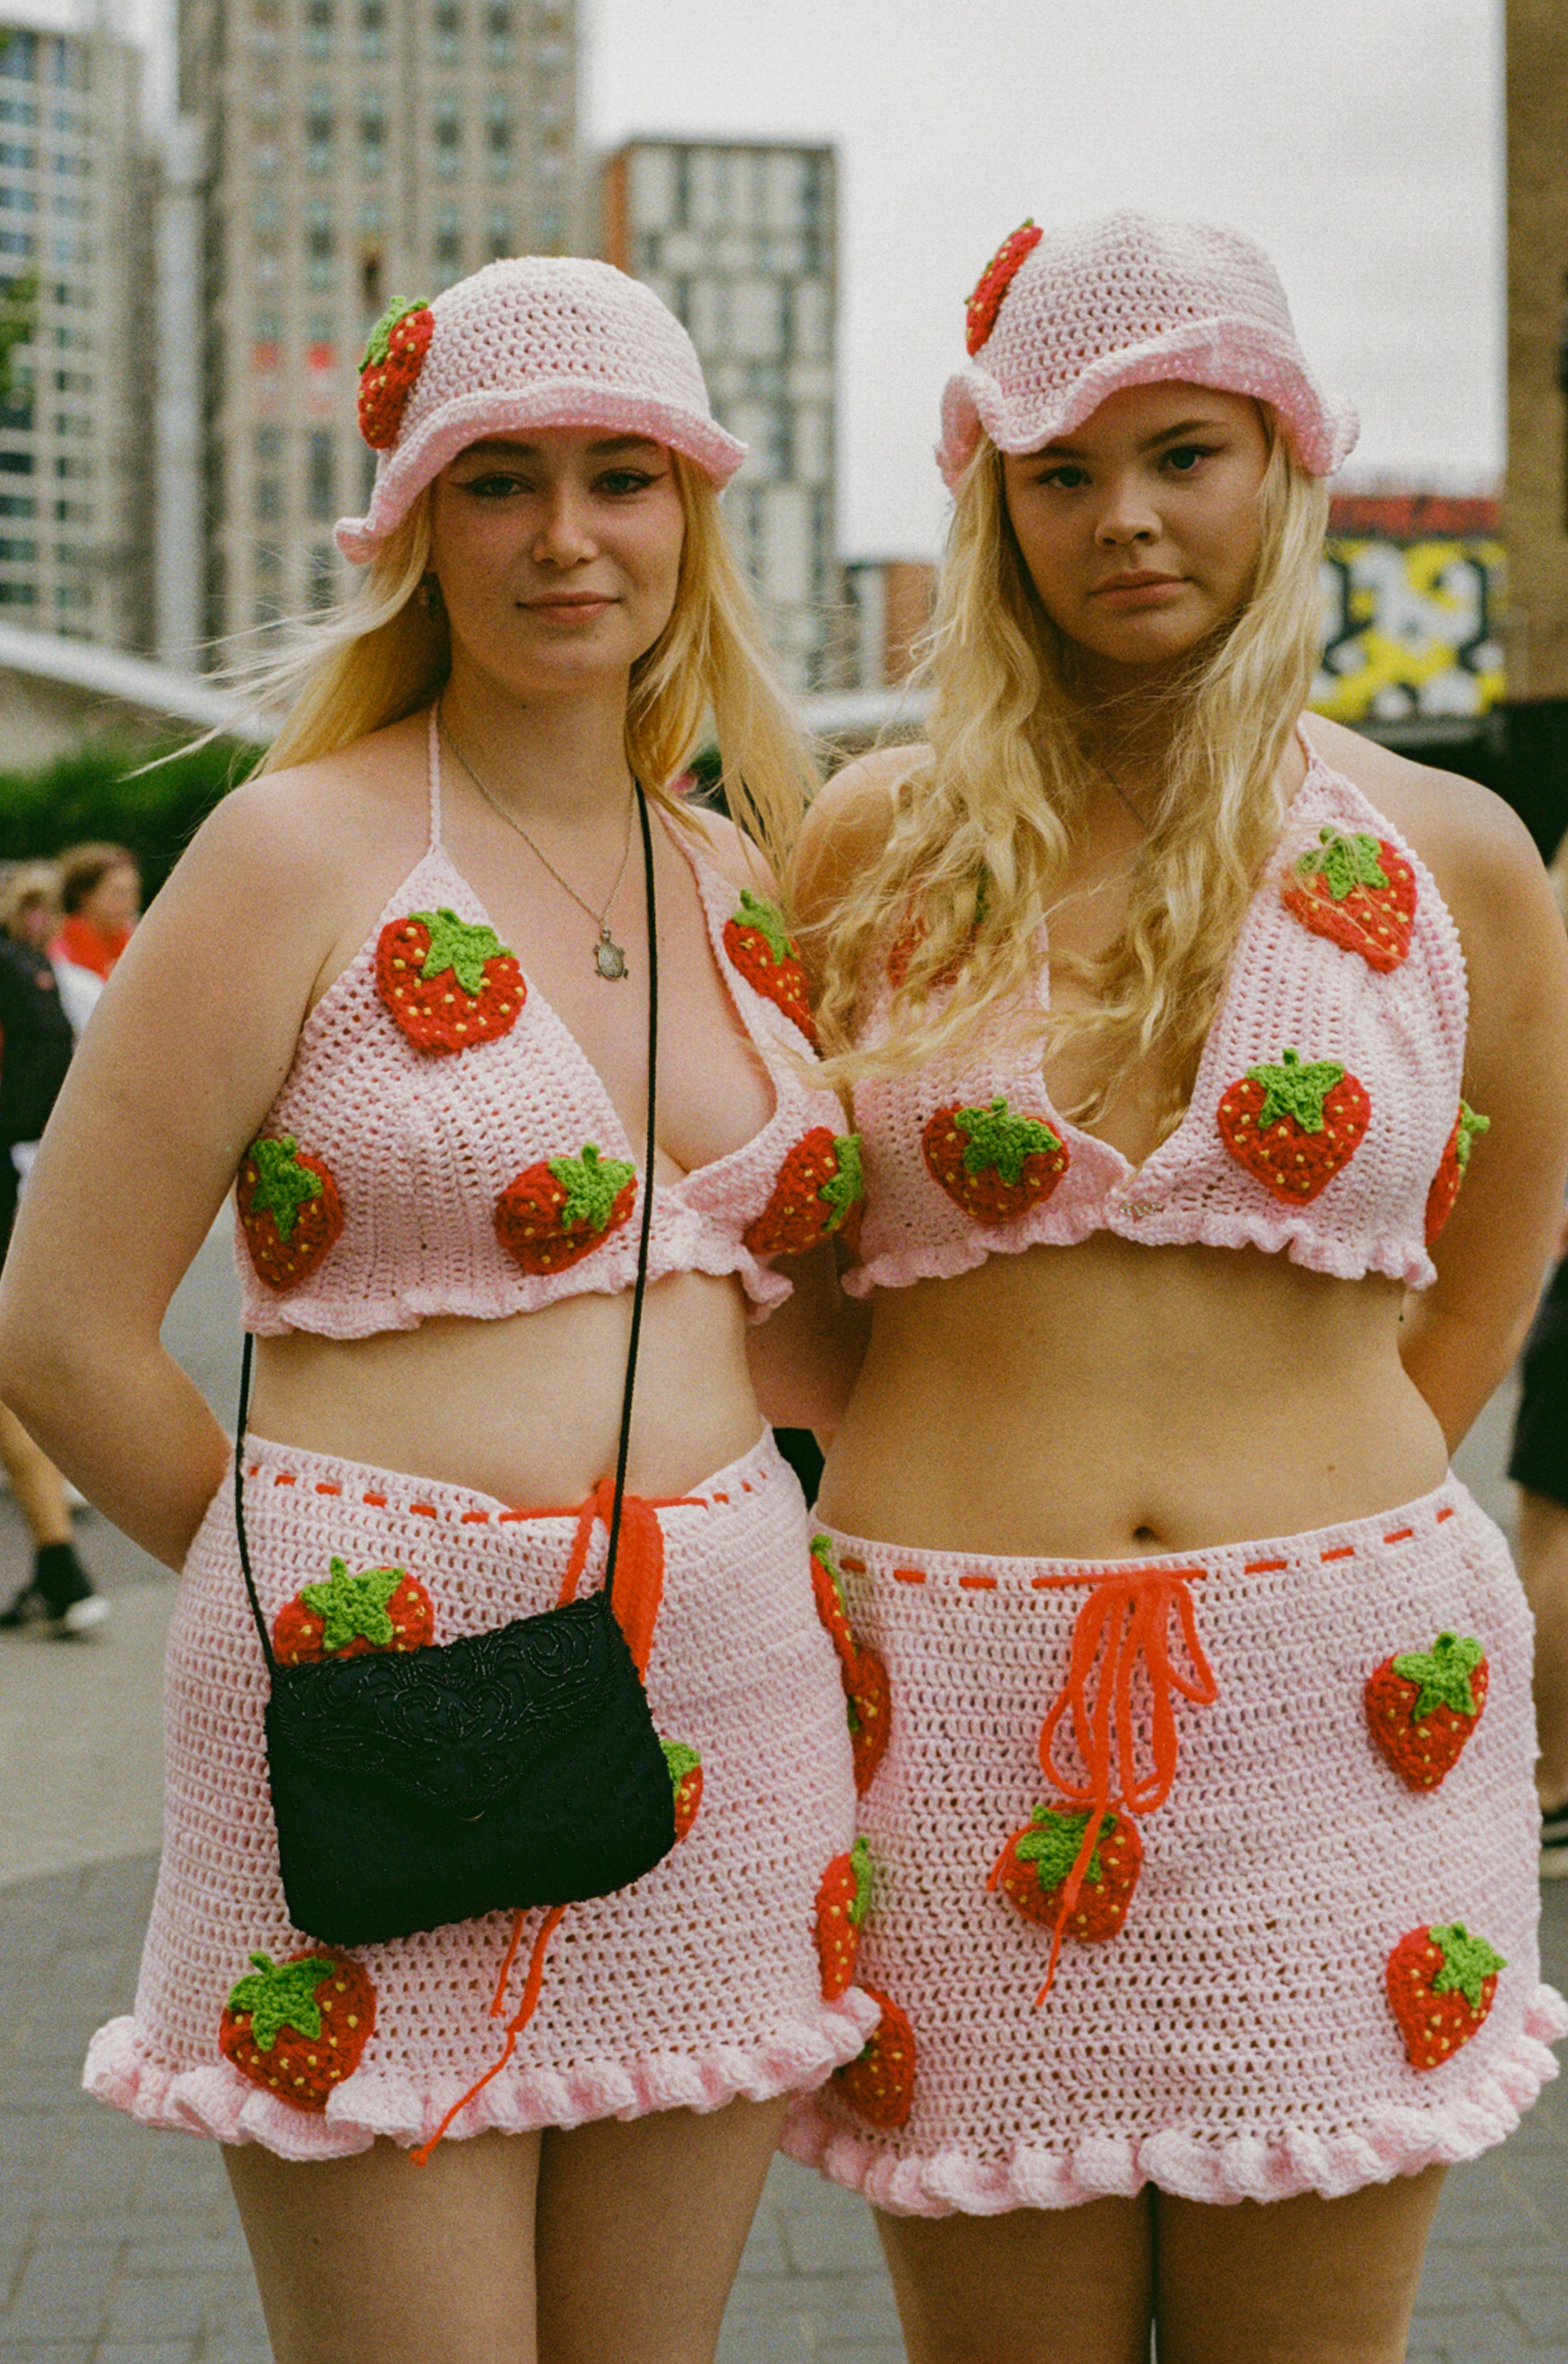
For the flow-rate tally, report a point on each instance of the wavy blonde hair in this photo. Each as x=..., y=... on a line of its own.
x=384, y=654
x=984, y=825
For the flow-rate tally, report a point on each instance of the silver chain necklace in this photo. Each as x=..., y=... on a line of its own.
x=609, y=958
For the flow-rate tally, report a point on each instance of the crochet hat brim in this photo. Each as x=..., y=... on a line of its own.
x=1233, y=357
x=488, y=412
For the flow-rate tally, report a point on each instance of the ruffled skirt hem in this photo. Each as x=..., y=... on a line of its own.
x=1255, y=2166
x=213, y=2098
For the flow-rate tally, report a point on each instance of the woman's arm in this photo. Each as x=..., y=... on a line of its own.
x=1460, y=1336
x=192, y=1038
x=804, y=1359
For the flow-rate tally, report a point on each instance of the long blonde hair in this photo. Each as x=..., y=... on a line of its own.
x=387, y=652
x=982, y=829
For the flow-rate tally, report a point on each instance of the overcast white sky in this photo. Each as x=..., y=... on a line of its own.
x=1359, y=140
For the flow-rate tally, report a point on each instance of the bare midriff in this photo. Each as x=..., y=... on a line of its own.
x=1105, y=1400
x=527, y=1408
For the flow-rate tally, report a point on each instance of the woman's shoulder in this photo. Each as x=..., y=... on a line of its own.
x=313, y=827
x=737, y=858
x=1476, y=847
x=849, y=822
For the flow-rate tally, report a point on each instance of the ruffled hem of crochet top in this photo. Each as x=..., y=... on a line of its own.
x=1258, y=2164
x=1287, y=1233
x=214, y=2099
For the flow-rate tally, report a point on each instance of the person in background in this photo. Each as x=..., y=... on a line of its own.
x=1537, y=1464
x=36, y=1043
x=100, y=896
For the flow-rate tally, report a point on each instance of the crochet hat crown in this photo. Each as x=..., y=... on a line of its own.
x=1130, y=300
x=537, y=340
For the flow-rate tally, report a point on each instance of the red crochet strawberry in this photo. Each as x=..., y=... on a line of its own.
x=297, y=2028
x=1468, y=1127
x=818, y=1191
x=842, y=1902
x=389, y=367
x=867, y=1694
x=686, y=1779
x=289, y=1209
x=827, y=1591
x=1293, y=1124
x=870, y=1701
x=448, y=982
x=1359, y=891
x=557, y=1212
x=1037, y=1861
x=759, y=944
x=991, y=1162
x=1441, y=1985
x=1422, y=1706
x=980, y=312
x=880, y=2080
x=353, y=1614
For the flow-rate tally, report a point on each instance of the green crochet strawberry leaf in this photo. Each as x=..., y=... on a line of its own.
x=378, y=344
x=1295, y=1090
x=756, y=912
x=680, y=1760
x=1471, y=1127
x=859, y=1864
x=845, y=1188
x=283, y=1184
x=458, y=945
x=1344, y=861
x=354, y=1606
x=282, y=1994
x=1467, y=1962
x=1000, y=1142
x=1052, y=1845
x=1443, y=1673
x=592, y=1183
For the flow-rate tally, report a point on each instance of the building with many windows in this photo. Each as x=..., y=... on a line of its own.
x=355, y=151
x=74, y=298
x=741, y=240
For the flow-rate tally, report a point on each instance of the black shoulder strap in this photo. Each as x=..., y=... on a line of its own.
x=638, y=1293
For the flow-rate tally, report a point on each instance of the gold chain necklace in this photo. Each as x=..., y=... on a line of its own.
x=609, y=958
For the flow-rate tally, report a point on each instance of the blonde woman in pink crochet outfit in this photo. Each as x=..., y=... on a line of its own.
x=406, y=972
x=1208, y=1064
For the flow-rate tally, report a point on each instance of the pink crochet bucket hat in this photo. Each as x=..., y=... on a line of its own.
x=1064, y=318
x=539, y=341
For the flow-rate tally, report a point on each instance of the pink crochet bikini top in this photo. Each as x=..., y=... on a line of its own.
x=441, y=1145
x=1325, y=1120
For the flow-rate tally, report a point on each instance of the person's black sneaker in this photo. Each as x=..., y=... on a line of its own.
x=64, y=1588
x=1554, y=1844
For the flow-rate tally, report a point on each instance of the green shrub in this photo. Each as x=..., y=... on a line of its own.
x=109, y=792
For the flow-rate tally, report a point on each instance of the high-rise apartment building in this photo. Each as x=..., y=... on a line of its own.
x=75, y=281
x=741, y=240
x=357, y=150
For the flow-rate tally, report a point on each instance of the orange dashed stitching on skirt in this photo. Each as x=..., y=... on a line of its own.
x=376, y=1502
x=906, y=1574
x=977, y=1584
x=1340, y=1551
x=475, y=1518
x=1263, y=1567
x=1400, y=1535
x=322, y=1487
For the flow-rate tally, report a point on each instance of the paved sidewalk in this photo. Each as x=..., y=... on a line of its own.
x=120, y=2246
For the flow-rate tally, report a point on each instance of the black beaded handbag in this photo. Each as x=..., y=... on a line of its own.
x=500, y=1771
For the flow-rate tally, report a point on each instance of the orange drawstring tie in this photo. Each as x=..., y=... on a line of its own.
x=1125, y=1623
x=639, y=1592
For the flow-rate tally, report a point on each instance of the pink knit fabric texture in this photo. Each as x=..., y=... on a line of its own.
x=543, y=340
x=1398, y=1032
x=421, y=1146
x=1234, y=2040
x=700, y=1982
x=1133, y=300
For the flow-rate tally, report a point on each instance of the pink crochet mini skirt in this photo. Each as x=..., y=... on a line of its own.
x=1216, y=1872
x=700, y=1982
